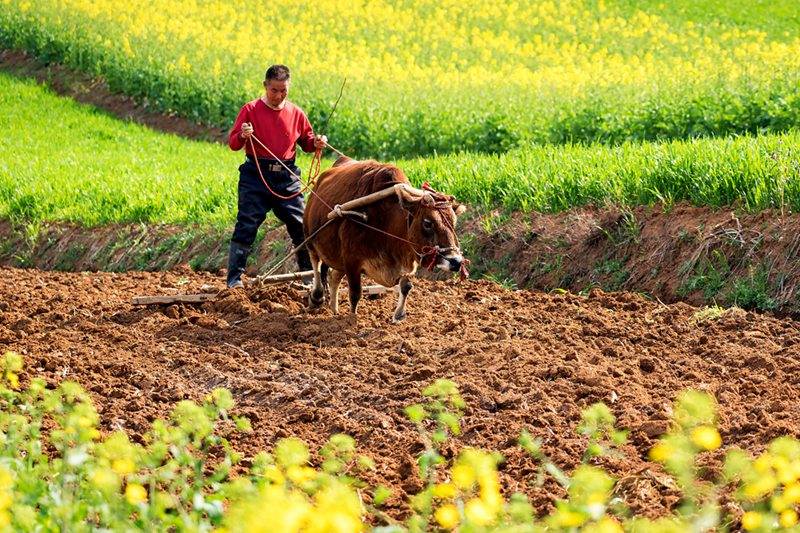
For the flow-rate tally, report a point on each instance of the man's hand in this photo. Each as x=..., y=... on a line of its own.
x=247, y=130
x=320, y=141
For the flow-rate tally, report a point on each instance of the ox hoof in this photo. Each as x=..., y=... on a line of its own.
x=398, y=317
x=315, y=299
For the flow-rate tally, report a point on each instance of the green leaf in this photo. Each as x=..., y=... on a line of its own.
x=416, y=413
x=382, y=493
x=291, y=452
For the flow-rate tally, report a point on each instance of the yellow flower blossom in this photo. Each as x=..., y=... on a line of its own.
x=788, y=518
x=760, y=487
x=661, y=452
x=478, y=512
x=568, y=519
x=706, y=438
x=301, y=474
x=463, y=476
x=123, y=466
x=752, y=520
x=104, y=479
x=444, y=490
x=5, y=500
x=135, y=494
x=791, y=493
x=447, y=516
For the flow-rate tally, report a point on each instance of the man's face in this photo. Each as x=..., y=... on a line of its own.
x=276, y=91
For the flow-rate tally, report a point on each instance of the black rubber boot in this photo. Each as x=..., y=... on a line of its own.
x=237, y=261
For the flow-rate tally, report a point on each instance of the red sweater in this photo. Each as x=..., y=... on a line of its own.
x=278, y=130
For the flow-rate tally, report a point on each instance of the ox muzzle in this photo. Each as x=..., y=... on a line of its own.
x=447, y=259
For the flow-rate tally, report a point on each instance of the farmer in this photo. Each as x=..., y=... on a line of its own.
x=279, y=124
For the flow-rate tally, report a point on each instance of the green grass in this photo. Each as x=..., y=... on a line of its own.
x=753, y=172
x=426, y=78
x=68, y=162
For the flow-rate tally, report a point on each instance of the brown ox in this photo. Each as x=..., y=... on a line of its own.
x=399, y=231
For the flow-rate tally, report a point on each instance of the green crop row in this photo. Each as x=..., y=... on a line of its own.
x=430, y=77
x=59, y=473
x=76, y=164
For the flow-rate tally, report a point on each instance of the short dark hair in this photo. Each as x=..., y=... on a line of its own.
x=278, y=73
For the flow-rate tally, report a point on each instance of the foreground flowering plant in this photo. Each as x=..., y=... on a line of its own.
x=58, y=472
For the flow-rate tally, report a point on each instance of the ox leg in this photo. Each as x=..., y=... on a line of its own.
x=353, y=273
x=317, y=294
x=333, y=284
x=403, y=288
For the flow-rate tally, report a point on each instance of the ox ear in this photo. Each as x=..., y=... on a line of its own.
x=460, y=209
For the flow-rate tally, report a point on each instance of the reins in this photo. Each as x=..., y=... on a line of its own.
x=427, y=257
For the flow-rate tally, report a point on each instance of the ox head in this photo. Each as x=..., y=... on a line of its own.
x=431, y=227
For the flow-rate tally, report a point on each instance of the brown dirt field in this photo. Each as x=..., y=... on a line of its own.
x=522, y=359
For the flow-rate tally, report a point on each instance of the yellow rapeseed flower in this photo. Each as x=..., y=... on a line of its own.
x=6, y=479
x=763, y=463
x=463, y=476
x=447, y=516
x=135, y=494
x=752, y=520
x=791, y=493
x=791, y=473
x=788, y=518
x=760, y=487
x=301, y=474
x=778, y=503
x=5, y=500
x=444, y=490
x=706, y=438
x=123, y=466
x=273, y=474
x=661, y=452
x=104, y=479
x=478, y=512
x=567, y=518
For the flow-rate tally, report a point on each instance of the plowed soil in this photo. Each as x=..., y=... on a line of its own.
x=522, y=360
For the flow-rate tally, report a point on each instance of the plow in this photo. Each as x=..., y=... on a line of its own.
x=295, y=280
x=298, y=280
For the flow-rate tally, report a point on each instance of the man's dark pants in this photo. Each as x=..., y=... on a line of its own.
x=255, y=201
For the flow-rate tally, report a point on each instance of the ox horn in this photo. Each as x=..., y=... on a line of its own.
x=412, y=194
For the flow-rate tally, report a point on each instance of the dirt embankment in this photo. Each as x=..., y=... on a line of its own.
x=698, y=255
x=522, y=360
x=694, y=254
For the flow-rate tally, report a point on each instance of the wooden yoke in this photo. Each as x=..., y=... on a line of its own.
x=403, y=191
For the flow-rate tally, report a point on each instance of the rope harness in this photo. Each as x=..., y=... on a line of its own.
x=428, y=256
x=313, y=171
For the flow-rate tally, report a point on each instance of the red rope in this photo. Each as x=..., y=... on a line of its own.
x=313, y=171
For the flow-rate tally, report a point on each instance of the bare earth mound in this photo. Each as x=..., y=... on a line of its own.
x=522, y=360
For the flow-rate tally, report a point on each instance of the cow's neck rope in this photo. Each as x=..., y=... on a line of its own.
x=427, y=256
